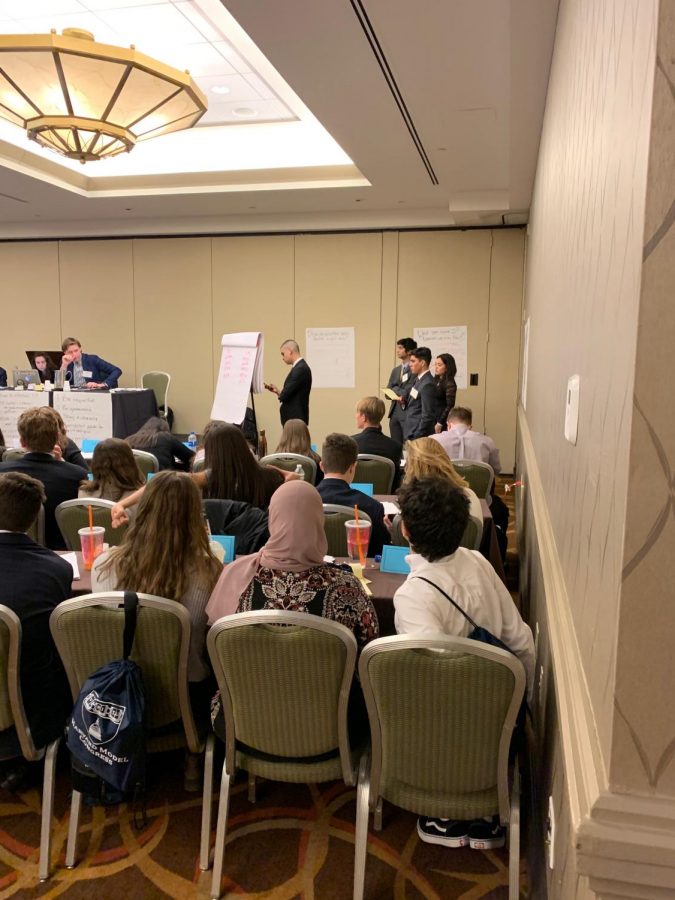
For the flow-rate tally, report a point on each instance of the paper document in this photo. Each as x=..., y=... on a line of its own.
x=389, y=394
x=390, y=509
x=240, y=372
x=450, y=339
x=330, y=354
x=72, y=559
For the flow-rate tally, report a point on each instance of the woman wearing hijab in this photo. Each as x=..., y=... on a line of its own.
x=289, y=572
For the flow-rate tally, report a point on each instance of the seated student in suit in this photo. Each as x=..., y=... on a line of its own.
x=294, y=396
x=370, y=439
x=34, y=580
x=154, y=437
x=461, y=442
x=295, y=438
x=420, y=401
x=3, y=377
x=66, y=448
x=114, y=470
x=338, y=461
x=39, y=434
x=434, y=515
x=87, y=369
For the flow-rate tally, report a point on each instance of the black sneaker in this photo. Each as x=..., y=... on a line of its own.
x=486, y=835
x=447, y=832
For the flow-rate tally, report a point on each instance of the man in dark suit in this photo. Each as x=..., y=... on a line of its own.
x=3, y=377
x=400, y=382
x=294, y=396
x=38, y=433
x=338, y=461
x=369, y=415
x=420, y=401
x=86, y=369
x=34, y=580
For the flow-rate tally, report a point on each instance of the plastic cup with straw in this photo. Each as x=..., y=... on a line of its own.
x=91, y=541
x=362, y=558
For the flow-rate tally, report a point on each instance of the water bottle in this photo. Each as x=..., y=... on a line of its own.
x=192, y=441
x=300, y=472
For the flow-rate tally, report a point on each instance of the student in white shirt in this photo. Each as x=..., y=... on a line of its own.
x=434, y=515
x=461, y=442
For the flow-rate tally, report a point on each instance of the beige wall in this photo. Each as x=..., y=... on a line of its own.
x=597, y=517
x=164, y=303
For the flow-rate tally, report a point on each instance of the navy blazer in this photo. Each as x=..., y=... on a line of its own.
x=337, y=490
x=420, y=411
x=294, y=396
x=3, y=377
x=101, y=371
x=61, y=480
x=34, y=580
x=371, y=440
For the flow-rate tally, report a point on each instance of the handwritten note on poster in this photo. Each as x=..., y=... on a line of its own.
x=331, y=357
x=12, y=404
x=87, y=414
x=446, y=339
x=240, y=372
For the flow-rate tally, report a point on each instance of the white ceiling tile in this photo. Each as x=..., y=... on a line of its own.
x=231, y=55
x=200, y=22
x=202, y=60
x=152, y=26
x=262, y=89
x=34, y=8
x=239, y=89
x=86, y=20
x=224, y=111
x=97, y=5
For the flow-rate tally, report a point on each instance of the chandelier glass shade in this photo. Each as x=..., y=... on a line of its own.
x=90, y=101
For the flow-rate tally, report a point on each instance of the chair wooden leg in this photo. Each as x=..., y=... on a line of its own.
x=377, y=817
x=48, y=783
x=207, y=804
x=221, y=830
x=251, y=788
x=514, y=837
x=361, y=833
x=73, y=826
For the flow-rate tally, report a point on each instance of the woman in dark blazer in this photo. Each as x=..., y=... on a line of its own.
x=446, y=389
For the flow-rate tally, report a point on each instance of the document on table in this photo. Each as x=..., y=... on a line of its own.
x=72, y=559
x=390, y=509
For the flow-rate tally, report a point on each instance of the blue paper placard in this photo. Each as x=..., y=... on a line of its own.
x=150, y=475
x=393, y=559
x=364, y=488
x=88, y=445
x=90, y=477
x=227, y=542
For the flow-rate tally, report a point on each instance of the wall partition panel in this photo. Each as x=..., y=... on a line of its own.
x=172, y=288
x=97, y=301
x=253, y=284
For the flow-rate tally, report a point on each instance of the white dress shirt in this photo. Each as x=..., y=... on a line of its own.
x=459, y=442
x=475, y=586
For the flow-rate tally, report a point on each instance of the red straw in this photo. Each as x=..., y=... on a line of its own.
x=91, y=518
x=359, y=546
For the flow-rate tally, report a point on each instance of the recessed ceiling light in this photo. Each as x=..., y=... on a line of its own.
x=220, y=89
x=244, y=112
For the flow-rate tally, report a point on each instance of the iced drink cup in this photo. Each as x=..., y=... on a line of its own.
x=91, y=541
x=363, y=529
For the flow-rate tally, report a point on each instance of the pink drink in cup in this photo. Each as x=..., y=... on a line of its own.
x=363, y=528
x=91, y=541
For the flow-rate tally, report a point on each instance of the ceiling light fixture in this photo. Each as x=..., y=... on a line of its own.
x=220, y=89
x=90, y=101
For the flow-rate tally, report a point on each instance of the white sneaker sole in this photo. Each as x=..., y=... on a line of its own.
x=442, y=841
x=487, y=843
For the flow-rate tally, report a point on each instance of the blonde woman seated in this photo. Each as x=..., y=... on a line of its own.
x=115, y=472
x=295, y=438
x=166, y=552
x=425, y=457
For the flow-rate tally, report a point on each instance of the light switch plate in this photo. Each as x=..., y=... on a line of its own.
x=572, y=409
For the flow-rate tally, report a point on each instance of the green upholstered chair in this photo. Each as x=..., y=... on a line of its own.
x=71, y=515
x=376, y=470
x=284, y=681
x=12, y=713
x=454, y=765
x=158, y=382
x=146, y=462
x=334, y=518
x=471, y=538
x=88, y=632
x=12, y=453
x=289, y=461
x=479, y=475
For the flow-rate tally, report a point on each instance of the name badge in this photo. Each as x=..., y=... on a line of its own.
x=404, y=379
x=86, y=374
x=414, y=393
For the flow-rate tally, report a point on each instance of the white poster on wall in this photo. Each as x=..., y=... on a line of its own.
x=446, y=339
x=12, y=404
x=87, y=414
x=526, y=353
x=330, y=354
x=240, y=372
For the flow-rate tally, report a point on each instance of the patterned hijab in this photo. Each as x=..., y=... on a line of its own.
x=297, y=542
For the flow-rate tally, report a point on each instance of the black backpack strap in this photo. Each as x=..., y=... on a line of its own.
x=130, y=616
x=448, y=597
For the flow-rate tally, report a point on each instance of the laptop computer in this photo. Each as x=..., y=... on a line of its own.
x=24, y=377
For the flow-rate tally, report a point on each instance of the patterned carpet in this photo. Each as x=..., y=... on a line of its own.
x=295, y=843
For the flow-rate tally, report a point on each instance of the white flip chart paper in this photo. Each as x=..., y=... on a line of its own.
x=330, y=355
x=240, y=372
x=446, y=339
